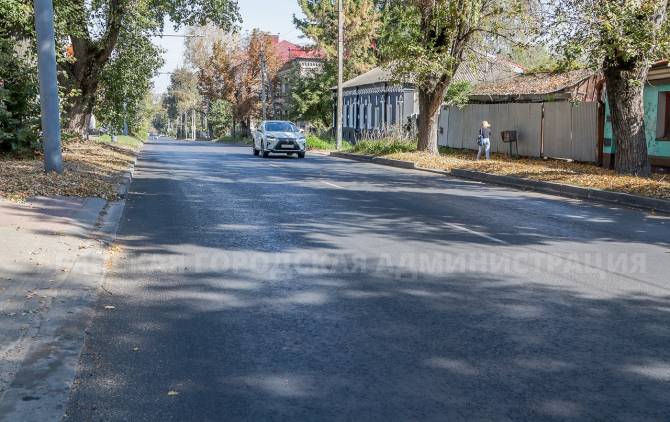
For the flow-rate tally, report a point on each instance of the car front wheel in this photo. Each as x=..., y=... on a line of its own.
x=266, y=154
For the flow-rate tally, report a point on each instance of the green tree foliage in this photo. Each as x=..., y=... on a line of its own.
x=125, y=83
x=19, y=106
x=159, y=120
x=361, y=26
x=623, y=38
x=89, y=32
x=458, y=93
x=182, y=98
x=311, y=95
x=425, y=41
x=221, y=117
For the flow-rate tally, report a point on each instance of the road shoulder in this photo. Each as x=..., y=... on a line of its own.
x=551, y=188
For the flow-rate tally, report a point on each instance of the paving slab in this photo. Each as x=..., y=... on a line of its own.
x=51, y=264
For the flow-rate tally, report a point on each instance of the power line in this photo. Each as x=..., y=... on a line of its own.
x=177, y=36
x=264, y=78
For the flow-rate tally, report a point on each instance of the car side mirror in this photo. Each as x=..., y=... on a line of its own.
x=302, y=130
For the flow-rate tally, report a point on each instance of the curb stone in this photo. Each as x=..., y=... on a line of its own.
x=124, y=185
x=355, y=157
x=569, y=191
x=41, y=386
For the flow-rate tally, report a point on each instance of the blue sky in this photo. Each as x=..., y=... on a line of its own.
x=275, y=16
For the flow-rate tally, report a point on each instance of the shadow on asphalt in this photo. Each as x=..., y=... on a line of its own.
x=294, y=315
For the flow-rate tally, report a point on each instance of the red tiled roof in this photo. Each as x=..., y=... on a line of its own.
x=288, y=51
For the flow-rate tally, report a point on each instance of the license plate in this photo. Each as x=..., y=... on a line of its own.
x=287, y=146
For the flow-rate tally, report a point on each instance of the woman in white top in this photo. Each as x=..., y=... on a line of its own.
x=484, y=140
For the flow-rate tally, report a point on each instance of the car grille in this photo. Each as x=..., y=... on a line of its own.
x=290, y=142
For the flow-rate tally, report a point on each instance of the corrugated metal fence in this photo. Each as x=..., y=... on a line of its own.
x=570, y=130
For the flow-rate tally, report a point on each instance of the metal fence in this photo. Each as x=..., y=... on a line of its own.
x=563, y=130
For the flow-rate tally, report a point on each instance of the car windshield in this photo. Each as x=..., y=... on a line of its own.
x=280, y=127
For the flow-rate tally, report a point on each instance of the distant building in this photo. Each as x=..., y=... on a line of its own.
x=374, y=102
x=297, y=61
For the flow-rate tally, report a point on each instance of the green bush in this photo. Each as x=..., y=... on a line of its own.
x=383, y=146
x=19, y=107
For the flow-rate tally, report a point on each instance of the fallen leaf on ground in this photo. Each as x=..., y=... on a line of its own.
x=172, y=393
x=91, y=170
x=558, y=171
x=110, y=307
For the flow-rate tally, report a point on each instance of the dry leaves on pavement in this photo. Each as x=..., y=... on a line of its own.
x=91, y=170
x=577, y=174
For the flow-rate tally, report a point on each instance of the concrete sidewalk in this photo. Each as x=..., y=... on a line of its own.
x=52, y=254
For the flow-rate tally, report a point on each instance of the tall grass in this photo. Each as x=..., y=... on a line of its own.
x=130, y=141
x=324, y=144
x=383, y=146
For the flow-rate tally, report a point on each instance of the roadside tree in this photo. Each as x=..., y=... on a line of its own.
x=89, y=32
x=425, y=41
x=311, y=96
x=125, y=83
x=623, y=38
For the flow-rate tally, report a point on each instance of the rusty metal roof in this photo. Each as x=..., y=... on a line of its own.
x=535, y=84
x=485, y=69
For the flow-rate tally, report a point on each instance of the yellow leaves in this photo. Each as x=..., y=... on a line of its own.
x=91, y=170
x=578, y=174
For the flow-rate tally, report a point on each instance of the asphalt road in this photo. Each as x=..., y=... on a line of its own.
x=323, y=289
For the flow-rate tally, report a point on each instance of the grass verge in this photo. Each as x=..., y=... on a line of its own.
x=383, y=147
x=317, y=143
x=126, y=141
x=92, y=169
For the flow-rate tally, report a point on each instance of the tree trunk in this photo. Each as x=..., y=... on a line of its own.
x=625, y=88
x=80, y=106
x=193, y=126
x=84, y=73
x=233, y=131
x=430, y=103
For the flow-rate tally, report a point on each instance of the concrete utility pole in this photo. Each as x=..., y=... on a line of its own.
x=46, y=64
x=263, y=79
x=193, y=134
x=340, y=70
x=125, y=118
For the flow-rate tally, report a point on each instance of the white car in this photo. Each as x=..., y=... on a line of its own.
x=278, y=136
